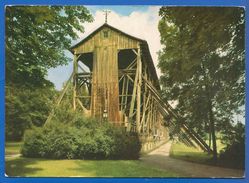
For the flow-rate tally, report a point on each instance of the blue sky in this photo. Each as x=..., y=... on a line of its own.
x=122, y=10
x=130, y=19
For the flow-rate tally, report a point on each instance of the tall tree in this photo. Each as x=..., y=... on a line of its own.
x=36, y=40
x=26, y=107
x=37, y=37
x=203, y=64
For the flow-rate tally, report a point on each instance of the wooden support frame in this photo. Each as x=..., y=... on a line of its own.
x=80, y=79
x=75, y=72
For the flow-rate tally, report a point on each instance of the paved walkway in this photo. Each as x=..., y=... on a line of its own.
x=12, y=155
x=159, y=158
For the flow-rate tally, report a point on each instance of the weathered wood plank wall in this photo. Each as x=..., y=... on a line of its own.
x=105, y=85
x=114, y=38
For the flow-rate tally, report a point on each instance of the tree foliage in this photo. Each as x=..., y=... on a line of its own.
x=26, y=107
x=37, y=37
x=203, y=64
x=36, y=40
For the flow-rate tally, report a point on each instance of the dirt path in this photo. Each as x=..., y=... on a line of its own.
x=160, y=158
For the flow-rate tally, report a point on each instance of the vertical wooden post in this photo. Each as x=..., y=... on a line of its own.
x=126, y=93
x=122, y=94
x=75, y=71
x=139, y=83
x=133, y=98
x=142, y=122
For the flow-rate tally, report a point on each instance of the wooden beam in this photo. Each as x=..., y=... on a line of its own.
x=121, y=77
x=81, y=105
x=134, y=94
x=126, y=93
x=83, y=96
x=144, y=111
x=136, y=51
x=145, y=99
x=77, y=58
x=139, y=84
x=122, y=95
x=81, y=68
x=75, y=71
x=130, y=78
x=132, y=64
x=58, y=101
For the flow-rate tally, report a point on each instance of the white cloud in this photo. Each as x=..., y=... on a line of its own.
x=140, y=24
x=143, y=25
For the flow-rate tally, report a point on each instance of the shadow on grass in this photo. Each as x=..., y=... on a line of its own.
x=20, y=167
x=195, y=157
x=35, y=167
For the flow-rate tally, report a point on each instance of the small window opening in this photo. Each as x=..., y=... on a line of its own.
x=105, y=34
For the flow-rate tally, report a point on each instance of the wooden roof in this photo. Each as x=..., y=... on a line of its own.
x=143, y=44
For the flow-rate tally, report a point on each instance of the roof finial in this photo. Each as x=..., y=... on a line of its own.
x=106, y=12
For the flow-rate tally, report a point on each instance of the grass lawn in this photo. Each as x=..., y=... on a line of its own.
x=30, y=167
x=34, y=167
x=181, y=151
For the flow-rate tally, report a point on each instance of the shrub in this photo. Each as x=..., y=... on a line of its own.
x=127, y=145
x=34, y=143
x=82, y=138
x=234, y=154
x=53, y=141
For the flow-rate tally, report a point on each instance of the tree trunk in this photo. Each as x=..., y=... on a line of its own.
x=210, y=113
x=212, y=128
x=210, y=136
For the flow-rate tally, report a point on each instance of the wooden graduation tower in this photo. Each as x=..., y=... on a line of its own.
x=117, y=63
x=114, y=79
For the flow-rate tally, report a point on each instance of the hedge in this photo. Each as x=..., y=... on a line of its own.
x=81, y=138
